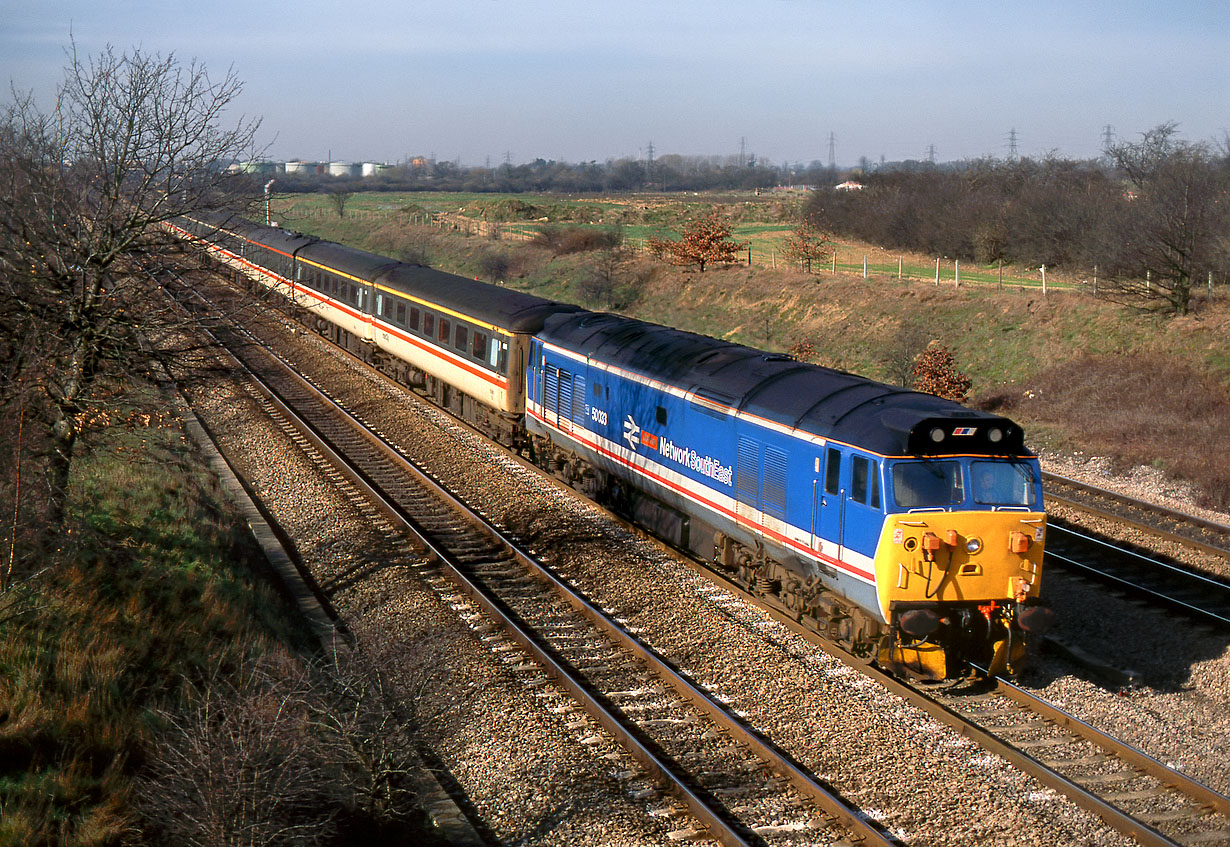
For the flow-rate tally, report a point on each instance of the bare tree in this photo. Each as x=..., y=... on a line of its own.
x=607, y=281
x=132, y=142
x=807, y=243
x=339, y=196
x=1173, y=221
x=902, y=350
x=295, y=753
x=242, y=767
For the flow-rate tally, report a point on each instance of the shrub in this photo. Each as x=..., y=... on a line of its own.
x=494, y=265
x=934, y=373
x=577, y=239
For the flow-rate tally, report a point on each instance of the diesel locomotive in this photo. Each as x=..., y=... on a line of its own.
x=906, y=527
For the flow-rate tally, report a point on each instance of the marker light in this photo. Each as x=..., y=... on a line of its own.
x=937, y=435
x=995, y=435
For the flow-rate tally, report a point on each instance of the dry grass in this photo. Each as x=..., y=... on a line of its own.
x=1102, y=356
x=153, y=592
x=1141, y=410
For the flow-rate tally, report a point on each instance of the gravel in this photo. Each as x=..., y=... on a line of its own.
x=1182, y=712
x=532, y=780
x=527, y=775
x=923, y=781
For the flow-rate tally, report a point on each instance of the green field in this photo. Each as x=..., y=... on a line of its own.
x=761, y=221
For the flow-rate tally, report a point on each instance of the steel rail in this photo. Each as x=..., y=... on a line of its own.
x=1137, y=588
x=561, y=671
x=1178, y=780
x=1172, y=514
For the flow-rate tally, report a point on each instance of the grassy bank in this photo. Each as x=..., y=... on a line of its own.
x=157, y=688
x=762, y=221
x=152, y=595
x=1079, y=372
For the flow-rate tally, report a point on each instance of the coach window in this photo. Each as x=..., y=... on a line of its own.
x=460, y=337
x=501, y=364
x=414, y=318
x=444, y=330
x=401, y=314
x=479, y=348
x=429, y=324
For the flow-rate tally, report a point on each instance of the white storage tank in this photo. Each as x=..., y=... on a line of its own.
x=343, y=169
x=301, y=167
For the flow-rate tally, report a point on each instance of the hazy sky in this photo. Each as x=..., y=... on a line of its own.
x=479, y=80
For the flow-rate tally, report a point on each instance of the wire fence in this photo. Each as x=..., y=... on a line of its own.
x=943, y=272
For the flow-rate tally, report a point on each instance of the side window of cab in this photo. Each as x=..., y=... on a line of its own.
x=865, y=481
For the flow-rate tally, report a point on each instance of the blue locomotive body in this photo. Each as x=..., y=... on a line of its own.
x=707, y=467
x=807, y=484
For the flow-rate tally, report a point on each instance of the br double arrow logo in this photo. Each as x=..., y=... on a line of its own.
x=632, y=432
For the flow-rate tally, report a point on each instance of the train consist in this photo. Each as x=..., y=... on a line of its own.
x=907, y=527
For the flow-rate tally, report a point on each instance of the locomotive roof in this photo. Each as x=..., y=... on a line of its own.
x=833, y=404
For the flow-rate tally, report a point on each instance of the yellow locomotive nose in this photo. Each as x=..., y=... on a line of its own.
x=959, y=557
x=934, y=569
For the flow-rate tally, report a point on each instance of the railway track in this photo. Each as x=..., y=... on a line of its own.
x=737, y=786
x=1191, y=592
x=1131, y=792
x=1166, y=524
x=1201, y=595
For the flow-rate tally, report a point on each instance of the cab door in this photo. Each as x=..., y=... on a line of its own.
x=830, y=495
x=862, y=514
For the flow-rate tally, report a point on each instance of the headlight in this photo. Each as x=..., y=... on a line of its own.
x=995, y=435
x=973, y=545
x=937, y=435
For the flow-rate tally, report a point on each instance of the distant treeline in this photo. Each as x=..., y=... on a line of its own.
x=667, y=173
x=1157, y=210
x=1059, y=213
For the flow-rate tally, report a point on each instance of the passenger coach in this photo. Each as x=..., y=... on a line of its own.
x=465, y=342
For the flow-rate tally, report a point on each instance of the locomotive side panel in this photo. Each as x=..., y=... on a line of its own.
x=725, y=474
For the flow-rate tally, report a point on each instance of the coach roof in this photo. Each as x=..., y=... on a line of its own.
x=512, y=310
